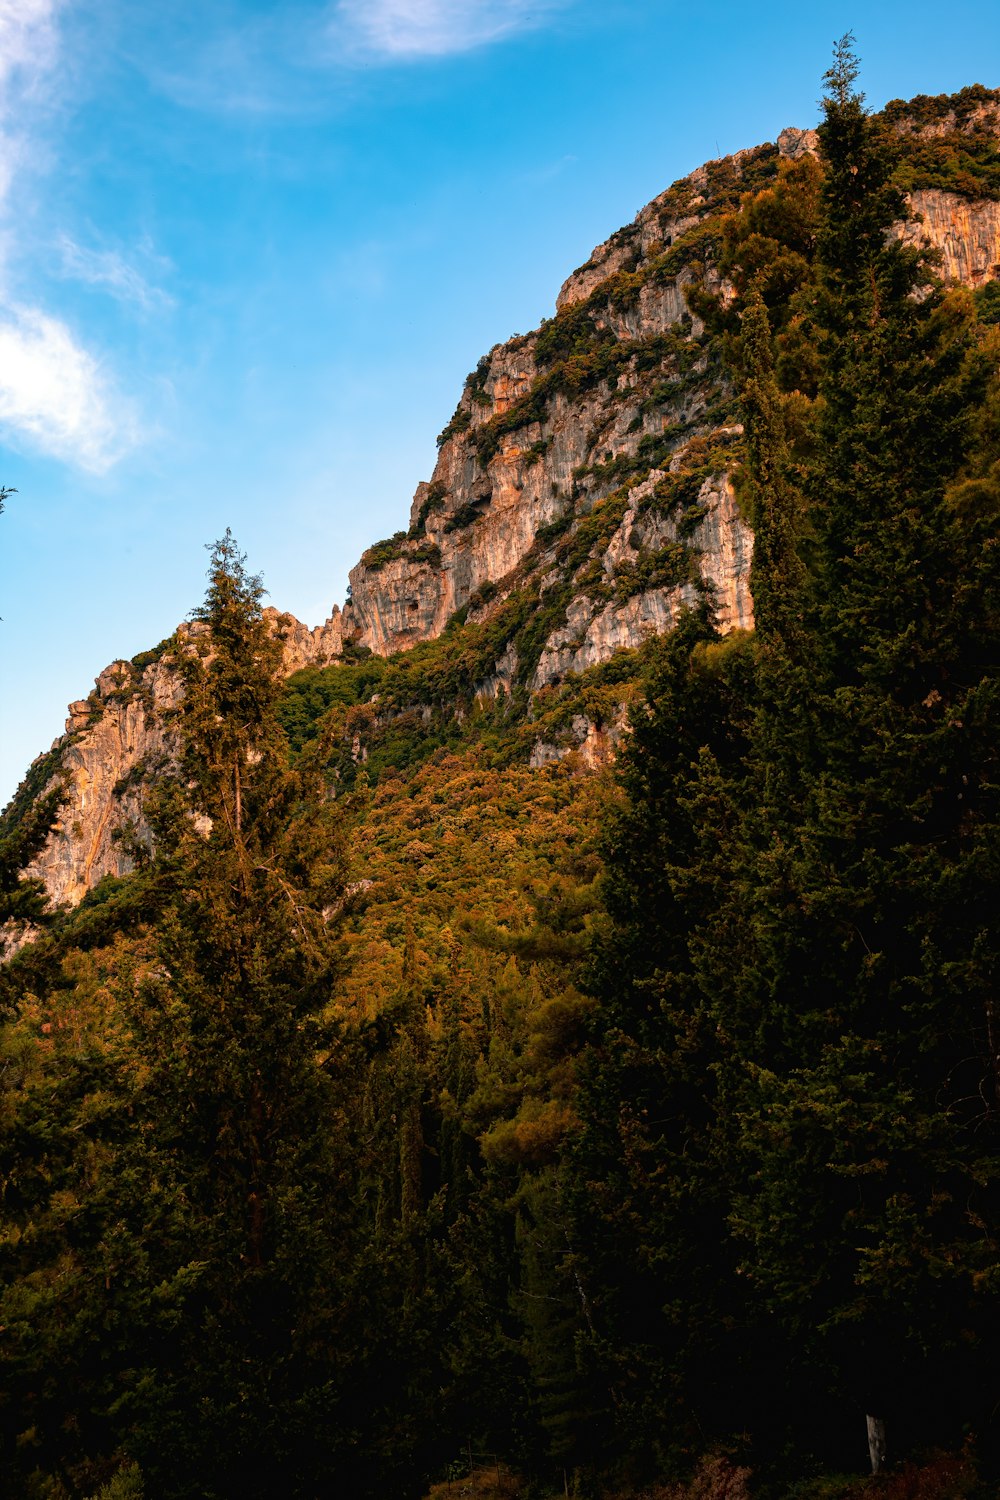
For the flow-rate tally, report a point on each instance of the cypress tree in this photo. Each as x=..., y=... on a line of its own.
x=860, y=1010
x=242, y=1091
x=198, y=1312
x=650, y=1178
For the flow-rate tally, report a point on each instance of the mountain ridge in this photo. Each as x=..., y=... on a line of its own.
x=588, y=470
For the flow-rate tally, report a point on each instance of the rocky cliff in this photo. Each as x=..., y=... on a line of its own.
x=116, y=741
x=550, y=423
x=586, y=465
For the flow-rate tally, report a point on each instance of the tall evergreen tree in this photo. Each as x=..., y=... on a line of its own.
x=650, y=1177
x=808, y=886
x=861, y=1007
x=198, y=1314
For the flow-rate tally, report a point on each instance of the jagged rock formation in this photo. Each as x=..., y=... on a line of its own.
x=114, y=739
x=304, y=647
x=116, y=742
x=550, y=423
x=547, y=428
x=723, y=544
x=586, y=463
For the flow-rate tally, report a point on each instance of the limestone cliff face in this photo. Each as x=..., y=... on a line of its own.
x=966, y=233
x=116, y=742
x=722, y=546
x=113, y=741
x=587, y=462
x=533, y=442
x=303, y=647
x=537, y=437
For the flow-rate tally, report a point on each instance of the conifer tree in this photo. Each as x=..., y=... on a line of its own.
x=242, y=1080
x=860, y=1006
x=650, y=1187
x=23, y=831
x=203, y=1300
x=801, y=892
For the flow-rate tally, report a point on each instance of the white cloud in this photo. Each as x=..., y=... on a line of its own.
x=402, y=29
x=27, y=36
x=109, y=269
x=55, y=393
x=28, y=48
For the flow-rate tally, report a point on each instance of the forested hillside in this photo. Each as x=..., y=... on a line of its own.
x=587, y=1077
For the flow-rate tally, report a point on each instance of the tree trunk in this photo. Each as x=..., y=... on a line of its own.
x=876, y=1443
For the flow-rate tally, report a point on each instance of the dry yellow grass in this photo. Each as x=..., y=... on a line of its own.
x=482, y=1484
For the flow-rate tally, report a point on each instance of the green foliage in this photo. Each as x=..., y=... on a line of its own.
x=396, y=547
x=476, y=382
x=988, y=303
x=536, y=451
x=572, y=332
x=465, y=515
x=383, y=552
x=460, y=422
x=433, y=501
x=790, y=1106
x=198, y=1133
x=144, y=659
x=24, y=826
x=959, y=153
x=650, y=1166
x=592, y=361
x=126, y=1485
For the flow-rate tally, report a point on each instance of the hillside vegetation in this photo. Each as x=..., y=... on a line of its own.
x=417, y=1120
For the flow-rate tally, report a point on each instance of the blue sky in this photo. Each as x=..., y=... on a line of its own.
x=249, y=250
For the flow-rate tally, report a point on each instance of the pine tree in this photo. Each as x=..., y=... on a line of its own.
x=203, y=1292
x=649, y=1169
x=242, y=1084
x=860, y=1008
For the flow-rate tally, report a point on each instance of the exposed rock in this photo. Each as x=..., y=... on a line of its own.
x=117, y=740
x=595, y=745
x=544, y=434
x=113, y=742
x=982, y=116
x=967, y=233
x=723, y=545
x=794, y=144
x=501, y=679
x=304, y=647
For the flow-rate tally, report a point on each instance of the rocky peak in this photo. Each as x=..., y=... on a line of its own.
x=587, y=461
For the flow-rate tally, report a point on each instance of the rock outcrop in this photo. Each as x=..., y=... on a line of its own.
x=722, y=544
x=116, y=742
x=967, y=233
x=533, y=440
x=587, y=462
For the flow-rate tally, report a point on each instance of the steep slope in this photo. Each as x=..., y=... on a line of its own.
x=115, y=742
x=582, y=496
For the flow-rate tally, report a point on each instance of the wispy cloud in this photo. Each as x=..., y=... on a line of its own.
x=55, y=395
x=28, y=49
x=109, y=269
x=547, y=172
x=27, y=37
x=398, y=30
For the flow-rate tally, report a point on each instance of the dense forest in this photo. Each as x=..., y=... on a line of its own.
x=427, y=1123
